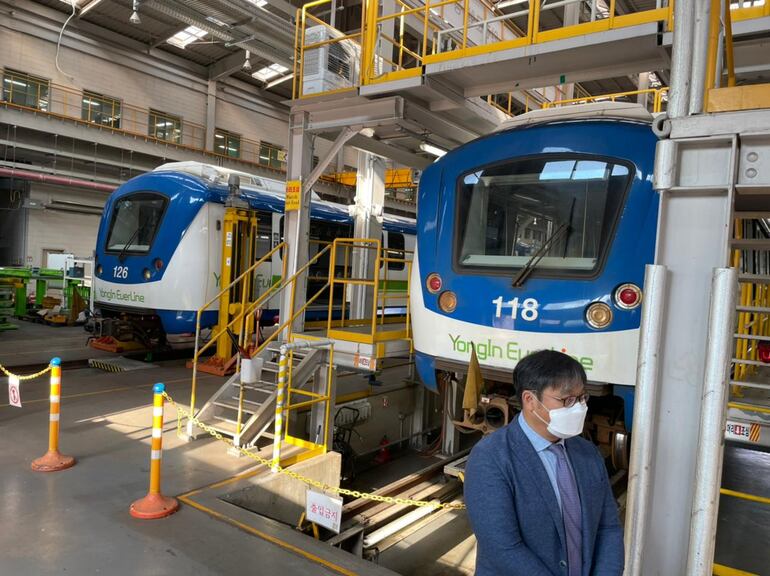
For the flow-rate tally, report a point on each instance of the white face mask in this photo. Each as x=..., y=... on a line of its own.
x=565, y=422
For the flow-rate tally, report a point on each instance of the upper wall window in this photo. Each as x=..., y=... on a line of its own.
x=25, y=90
x=100, y=109
x=270, y=155
x=164, y=126
x=227, y=143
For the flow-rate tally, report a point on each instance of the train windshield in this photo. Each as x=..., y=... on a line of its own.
x=135, y=221
x=508, y=212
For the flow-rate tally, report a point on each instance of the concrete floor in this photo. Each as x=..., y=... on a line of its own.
x=77, y=522
x=22, y=347
x=743, y=530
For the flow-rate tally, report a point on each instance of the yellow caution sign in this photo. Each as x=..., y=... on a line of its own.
x=293, y=195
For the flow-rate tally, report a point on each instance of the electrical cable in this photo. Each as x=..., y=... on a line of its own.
x=61, y=34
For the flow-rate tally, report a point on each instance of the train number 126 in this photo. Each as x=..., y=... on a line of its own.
x=528, y=308
x=120, y=272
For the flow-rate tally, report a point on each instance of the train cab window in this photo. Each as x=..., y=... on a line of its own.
x=396, y=247
x=561, y=208
x=135, y=222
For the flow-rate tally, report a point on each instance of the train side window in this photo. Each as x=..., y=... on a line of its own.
x=396, y=250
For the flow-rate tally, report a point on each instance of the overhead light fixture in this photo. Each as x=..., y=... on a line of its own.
x=247, y=62
x=431, y=149
x=134, y=19
x=89, y=6
x=258, y=3
x=507, y=3
x=279, y=80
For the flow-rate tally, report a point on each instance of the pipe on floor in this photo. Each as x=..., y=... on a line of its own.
x=389, y=529
x=58, y=180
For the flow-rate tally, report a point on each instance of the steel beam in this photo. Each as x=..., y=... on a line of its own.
x=296, y=228
x=367, y=214
x=227, y=66
x=694, y=177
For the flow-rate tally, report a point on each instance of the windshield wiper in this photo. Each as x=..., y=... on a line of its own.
x=130, y=241
x=532, y=263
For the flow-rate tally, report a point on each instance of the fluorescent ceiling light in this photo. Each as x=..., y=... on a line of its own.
x=217, y=21
x=507, y=3
x=269, y=72
x=87, y=7
x=77, y=3
x=431, y=149
x=279, y=80
x=187, y=36
x=258, y=3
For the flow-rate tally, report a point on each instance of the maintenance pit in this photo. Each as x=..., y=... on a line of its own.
x=106, y=425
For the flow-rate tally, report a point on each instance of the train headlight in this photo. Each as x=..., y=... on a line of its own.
x=447, y=301
x=628, y=296
x=598, y=315
x=433, y=283
x=147, y=274
x=99, y=270
x=158, y=263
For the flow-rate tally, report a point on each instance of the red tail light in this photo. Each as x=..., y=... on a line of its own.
x=628, y=296
x=433, y=283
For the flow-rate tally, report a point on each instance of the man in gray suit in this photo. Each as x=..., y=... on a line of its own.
x=538, y=495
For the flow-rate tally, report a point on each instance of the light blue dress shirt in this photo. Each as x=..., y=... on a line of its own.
x=547, y=457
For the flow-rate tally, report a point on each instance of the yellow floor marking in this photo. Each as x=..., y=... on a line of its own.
x=272, y=539
x=720, y=570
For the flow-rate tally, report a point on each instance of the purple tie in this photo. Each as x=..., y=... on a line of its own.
x=570, y=507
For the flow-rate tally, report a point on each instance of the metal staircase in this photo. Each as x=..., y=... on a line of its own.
x=748, y=414
x=246, y=411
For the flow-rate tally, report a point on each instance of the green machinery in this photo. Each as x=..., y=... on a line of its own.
x=16, y=280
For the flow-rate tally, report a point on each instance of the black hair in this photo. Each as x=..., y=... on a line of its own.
x=547, y=369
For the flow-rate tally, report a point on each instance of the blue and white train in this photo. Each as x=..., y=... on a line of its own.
x=536, y=237
x=159, y=249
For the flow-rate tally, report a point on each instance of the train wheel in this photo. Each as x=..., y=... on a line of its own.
x=620, y=448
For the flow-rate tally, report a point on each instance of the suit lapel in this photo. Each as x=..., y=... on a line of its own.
x=531, y=462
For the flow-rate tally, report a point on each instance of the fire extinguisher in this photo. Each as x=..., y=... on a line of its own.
x=383, y=455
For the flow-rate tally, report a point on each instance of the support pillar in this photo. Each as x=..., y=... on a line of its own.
x=367, y=214
x=571, y=17
x=694, y=176
x=211, y=113
x=296, y=225
x=643, y=83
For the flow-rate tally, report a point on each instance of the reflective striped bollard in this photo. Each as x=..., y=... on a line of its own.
x=54, y=461
x=155, y=505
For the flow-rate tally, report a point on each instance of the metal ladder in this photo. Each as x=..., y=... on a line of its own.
x=258, y=412
x=748, y=416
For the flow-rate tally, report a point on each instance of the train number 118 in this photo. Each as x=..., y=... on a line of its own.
x=528, y=308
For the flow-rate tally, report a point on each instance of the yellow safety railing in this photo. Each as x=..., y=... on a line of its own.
x=382, y=291
x=398, y=44
x=658, y=94
x=348, y=46
x=752, y=318
x=246, y=309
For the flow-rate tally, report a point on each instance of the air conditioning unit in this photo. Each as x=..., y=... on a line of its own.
x=331, y=66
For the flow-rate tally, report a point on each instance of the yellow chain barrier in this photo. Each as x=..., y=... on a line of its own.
x=8, y=373
x=183, y=412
